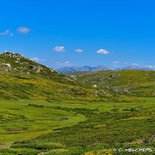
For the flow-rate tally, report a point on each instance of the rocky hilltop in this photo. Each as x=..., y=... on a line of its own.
x=10, y=61
x=16, y=64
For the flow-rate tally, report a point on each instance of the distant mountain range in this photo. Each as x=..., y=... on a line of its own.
x=73, y=69
x=137, y=67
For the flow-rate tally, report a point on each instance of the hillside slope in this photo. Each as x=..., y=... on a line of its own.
x=23, y=78
x=16, y=64
x=127, y=82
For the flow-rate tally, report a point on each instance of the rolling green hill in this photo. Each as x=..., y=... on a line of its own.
x=125, y=82
x=17, y=65
x=22, y=78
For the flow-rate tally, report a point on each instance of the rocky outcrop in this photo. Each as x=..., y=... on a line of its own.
x=12, y=55
x=36, y=69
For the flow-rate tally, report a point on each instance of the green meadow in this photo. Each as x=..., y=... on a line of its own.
x=76, y=126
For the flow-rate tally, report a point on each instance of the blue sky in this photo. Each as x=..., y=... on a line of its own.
x=59, y=33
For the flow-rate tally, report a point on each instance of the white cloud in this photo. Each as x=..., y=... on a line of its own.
x=79, y=50
x=67, y=63
x=119, y=64
x=135, y=64
x=59, y=49
x=37, y=59
x=6, y=33
x=116, y=62
x=23, y=30
x=102, y=51
x=64, y=64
